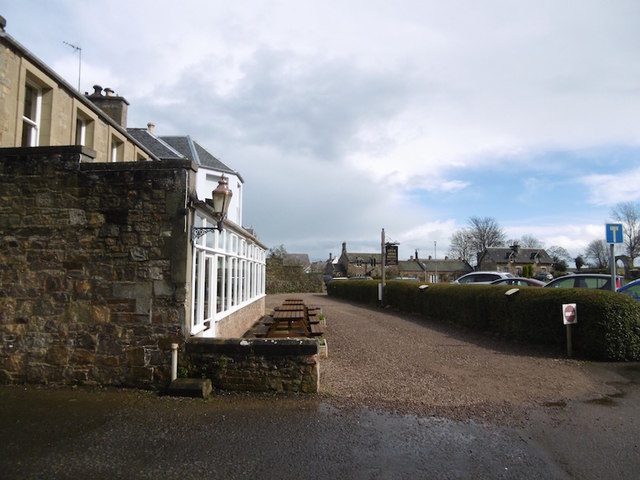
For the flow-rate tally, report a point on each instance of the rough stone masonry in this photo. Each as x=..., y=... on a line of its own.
x=93, y=257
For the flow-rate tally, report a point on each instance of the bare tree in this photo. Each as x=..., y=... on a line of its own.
x=461, y=245
x=559, y=253
x=598, y=253
x=482, y=233
x=561, y=258
x=527, y=241
x=629, y=214
x=485, y=233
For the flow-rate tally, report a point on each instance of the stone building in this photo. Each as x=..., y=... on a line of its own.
x=100, y=269
x=444, y=269
x=514, y=258
x=358, y=264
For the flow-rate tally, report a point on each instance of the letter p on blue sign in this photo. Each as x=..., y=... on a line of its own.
x=614, y=233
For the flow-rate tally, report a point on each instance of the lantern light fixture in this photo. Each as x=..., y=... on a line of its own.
x=221, y=197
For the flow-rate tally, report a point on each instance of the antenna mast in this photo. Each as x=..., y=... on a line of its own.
x=79, y=50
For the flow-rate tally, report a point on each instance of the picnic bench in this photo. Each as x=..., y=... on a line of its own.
x=290, y=319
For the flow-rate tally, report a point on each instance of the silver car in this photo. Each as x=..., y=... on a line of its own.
x=475, y=278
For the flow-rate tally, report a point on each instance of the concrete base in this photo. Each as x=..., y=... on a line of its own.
x=191, y=387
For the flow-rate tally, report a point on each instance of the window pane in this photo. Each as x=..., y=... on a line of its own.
x=220, y=305
x=30, y=103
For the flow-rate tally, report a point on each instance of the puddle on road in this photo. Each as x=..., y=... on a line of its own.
x=603, y=401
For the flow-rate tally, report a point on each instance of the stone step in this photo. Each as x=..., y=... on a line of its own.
x=191, y=387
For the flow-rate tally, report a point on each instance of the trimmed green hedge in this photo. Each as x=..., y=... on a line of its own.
x=608, y=326
x=363, y=291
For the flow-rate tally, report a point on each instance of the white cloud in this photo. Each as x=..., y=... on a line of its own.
x=609, y=189
x=326, y=107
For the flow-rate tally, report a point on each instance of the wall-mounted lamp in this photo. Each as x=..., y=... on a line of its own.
x=221, y=199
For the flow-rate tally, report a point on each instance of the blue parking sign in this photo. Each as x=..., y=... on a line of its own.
x=614, y=233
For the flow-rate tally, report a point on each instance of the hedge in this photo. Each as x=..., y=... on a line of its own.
x=608, y=326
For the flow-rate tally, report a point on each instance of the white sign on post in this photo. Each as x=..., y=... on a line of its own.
x=569, y=313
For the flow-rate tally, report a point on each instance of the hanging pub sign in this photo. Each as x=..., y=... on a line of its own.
x=391, y=252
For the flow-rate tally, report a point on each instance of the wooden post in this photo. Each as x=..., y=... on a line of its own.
x=383, y=272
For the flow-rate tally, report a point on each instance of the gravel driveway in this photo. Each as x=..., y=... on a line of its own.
x=400, y=363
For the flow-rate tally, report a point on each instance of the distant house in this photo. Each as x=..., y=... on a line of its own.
x=433, y=270
x=512, y=259
x=359, y=264
x=444, y=269
x=410, y=269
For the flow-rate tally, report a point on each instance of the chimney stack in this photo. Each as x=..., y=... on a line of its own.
x=113, y=105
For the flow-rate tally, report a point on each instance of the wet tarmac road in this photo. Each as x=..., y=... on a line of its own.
x=80, y=433
x=77, y=433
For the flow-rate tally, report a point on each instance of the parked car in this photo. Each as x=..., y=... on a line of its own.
x=543, y=276
x=584, y=280
x=519, y=282
x=632, y=289
x=481, y=277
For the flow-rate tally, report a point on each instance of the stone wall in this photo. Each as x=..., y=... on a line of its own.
x=259, y=365
x=94, y=261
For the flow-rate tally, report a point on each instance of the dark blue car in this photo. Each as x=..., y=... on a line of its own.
x=632, y=289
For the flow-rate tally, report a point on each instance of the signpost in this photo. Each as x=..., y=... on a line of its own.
x=389, y=254
x=569, y=317
x=382, y=255
x=392, y=254
x=613, y=233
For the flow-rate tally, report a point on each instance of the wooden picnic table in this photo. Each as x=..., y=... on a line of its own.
x=290, y=308
x=294, y=319
x=291, y=317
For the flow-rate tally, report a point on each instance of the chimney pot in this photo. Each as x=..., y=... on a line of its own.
x=97, y=90
x=151, y=127
x=109, y=92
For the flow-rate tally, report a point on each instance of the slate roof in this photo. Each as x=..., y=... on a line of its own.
x=409, y=266
x=502, y=255
x=157, y=146
x=196, y=152
x=448, y=265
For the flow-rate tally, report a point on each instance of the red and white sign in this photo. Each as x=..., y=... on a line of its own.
x=569, y=313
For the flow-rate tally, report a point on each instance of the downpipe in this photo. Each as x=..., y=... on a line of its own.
x=174, y=361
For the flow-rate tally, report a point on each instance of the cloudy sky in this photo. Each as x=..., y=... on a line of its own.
x=346, y=117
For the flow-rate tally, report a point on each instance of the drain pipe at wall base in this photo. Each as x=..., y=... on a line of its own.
x=174, y=361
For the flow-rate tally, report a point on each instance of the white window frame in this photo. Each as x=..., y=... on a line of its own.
x=33, y=124
x=236, y=274
x=81, y=131
x=117, y=145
